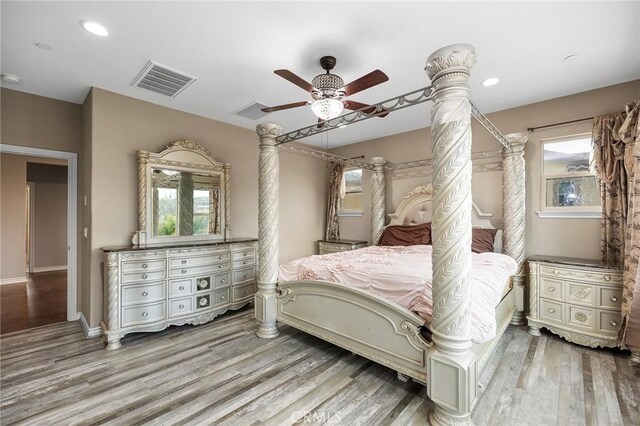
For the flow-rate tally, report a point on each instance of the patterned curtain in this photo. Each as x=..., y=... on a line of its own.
x=629, y=133
x=608, y=158
x=336, y=193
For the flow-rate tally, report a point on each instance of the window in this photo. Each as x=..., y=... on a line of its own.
x=352, y=201
x=569, y=187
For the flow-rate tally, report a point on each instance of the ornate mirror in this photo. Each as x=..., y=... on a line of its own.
x=183, y=195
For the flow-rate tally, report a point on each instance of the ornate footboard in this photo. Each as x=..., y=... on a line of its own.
x=365, y=324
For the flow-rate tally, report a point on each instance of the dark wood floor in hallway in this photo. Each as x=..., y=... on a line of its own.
x=221, y=373
x=42, y=300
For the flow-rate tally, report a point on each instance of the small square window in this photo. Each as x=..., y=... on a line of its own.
x=569, y=187
x=352, y=202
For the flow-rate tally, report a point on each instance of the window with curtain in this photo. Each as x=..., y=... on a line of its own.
x=569, y=185
x=352, y=189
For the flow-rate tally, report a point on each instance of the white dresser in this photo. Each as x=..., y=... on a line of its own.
x=579, y=300
x=335, y=246
x=149, y=289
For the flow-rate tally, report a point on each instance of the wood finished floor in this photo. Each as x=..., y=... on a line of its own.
x=220, y=373
x=42, y=300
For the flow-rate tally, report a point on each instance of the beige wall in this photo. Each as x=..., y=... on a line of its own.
x=121, y=125
x=50, y=225
x=561, y=237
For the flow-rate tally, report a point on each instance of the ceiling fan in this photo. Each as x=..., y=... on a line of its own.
x=328, y=91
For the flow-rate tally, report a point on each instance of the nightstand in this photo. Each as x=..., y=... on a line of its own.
x=577, y=299
x=335, y=246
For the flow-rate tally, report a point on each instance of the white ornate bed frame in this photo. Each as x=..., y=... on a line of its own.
x=375, y=328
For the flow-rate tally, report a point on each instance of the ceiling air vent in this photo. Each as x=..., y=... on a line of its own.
x=252, y=111
x=163, y=80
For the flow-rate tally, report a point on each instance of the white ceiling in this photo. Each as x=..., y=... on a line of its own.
x=233, y=48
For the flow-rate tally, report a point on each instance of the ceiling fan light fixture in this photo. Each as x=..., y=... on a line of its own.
x=327, y=108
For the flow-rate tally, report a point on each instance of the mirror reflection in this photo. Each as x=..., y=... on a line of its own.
x=185, y=203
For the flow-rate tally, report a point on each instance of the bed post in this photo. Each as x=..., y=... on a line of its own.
x=268, y=202
x=451, y=365
x=377, y=199
x=513, y=201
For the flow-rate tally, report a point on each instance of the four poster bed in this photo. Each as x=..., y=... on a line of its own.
x=444, y=358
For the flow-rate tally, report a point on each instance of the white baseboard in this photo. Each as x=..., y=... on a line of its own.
x=88, y=332
x=14, y=280
x=49, y=268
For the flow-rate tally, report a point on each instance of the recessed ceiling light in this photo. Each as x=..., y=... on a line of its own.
x=570, y=57
x=490, y=82
x=10, y=78
x=43, y=46
x=94, y=28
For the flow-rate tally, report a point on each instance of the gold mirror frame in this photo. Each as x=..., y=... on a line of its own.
x=183, y=156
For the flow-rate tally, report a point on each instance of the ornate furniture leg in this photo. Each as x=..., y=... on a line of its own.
x=268, y=201
x=513, y=201
x=534, y=329
x=377, y=199
x=452, y=367
x=113, y=341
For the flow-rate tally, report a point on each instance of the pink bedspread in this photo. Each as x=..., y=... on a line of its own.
x=403, y=275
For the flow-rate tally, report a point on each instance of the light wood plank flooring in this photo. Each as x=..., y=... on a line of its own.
x=220, y=373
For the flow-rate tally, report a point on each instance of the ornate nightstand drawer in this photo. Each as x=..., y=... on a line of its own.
x=582, y=294
x=186, y=271
x=609, y=322
x=180, y=287
x=582, y=317
x=249, y=252
x=182, y=262
x=221, y=297
x=132, y=315
x=581, y=275
x=144, y=265
x=609, y=298
x=244, y=274
x=143, y=293
x=552, y=311
x=244, y=262
x=551, y=288
x=243, y=291
x=180, y=306
x=335, y=246
x=143, y=276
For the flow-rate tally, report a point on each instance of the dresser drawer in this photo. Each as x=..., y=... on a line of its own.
x=180, y=306
x=244, y=262
x=581, y=294
x=132, y=315
x=144, y=265
x=244, y=274
x=143, y=293
x=217, y=298
x=249, y=252
x=180, y=287
x=326, y=248
x=182, y=262
x=613, y=277
x=221, y=280
x=609, y=322
x=243, y=291
x=552, y=311
x=194, y=270
x=551, y=289
x=584, y=318
x=609, y=298
x=143, y=276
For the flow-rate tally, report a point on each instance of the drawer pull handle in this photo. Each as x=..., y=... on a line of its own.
x=221, y=297
x=613, y=323
x=551, y=288
x=184, y=271
x=145, y=314
x=144, y=276
x=244, y=263
x=219, y=266
x=220, y=257
x=184, y=261
x=245, y=275
x=551, y=310
x=556, y=272
x=223, y=281
x=245, y=254
x=613, y=299
x=246, y=292
x=607, y=278
x=145, y=266
x=145, y=294
x=181, y=307
x=181, y=288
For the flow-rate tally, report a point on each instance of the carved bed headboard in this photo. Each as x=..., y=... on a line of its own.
x=416, y=208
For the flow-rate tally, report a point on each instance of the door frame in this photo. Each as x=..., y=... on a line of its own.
x=72, y=216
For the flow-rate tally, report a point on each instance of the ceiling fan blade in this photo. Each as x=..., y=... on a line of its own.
x=372, y=79
x=287, y=106
x=353, y=105
x=289, y=76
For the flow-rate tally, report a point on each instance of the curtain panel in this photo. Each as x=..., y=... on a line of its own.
x=333, y=204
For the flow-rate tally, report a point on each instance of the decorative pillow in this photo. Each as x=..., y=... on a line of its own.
x=482, y=240
x=406, y=235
